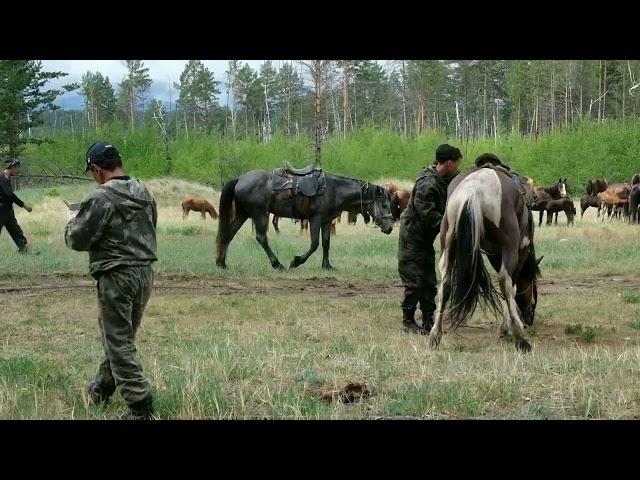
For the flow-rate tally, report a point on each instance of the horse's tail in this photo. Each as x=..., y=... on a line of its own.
x=470, y=281
x=225, y=213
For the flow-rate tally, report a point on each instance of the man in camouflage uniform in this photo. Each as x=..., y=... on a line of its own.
x=116, y=224
x=7, y=199
x=420, y=224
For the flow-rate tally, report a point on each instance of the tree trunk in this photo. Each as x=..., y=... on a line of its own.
x=131, y=105
x=553, y=100
x=318, y=86
x=599, y=90
x=404, y=101
x=604, y=92
x=345, y=99
x=623, y=95
x=566, y=97
x=484, y=107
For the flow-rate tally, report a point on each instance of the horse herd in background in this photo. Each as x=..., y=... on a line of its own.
x=617, y=200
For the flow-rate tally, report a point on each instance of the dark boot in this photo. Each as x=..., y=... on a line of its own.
x=409, y=324
x=97, y=394
x=427, y=321
x=142, y=410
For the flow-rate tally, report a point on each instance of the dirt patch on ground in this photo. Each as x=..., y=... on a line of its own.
x=46, y=283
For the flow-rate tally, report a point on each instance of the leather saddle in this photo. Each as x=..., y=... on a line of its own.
x=308, y=181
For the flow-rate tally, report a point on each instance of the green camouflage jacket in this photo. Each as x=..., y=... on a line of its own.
x=116, y=224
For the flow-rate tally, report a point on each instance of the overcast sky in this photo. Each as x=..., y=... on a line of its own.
x=163, y=73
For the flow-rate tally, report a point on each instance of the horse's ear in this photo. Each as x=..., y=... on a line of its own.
x=565, y=181
x=539, y=260
x=559, y=180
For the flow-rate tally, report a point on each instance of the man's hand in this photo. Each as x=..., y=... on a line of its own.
x=28, y=207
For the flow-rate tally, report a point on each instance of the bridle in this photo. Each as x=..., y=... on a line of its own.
x=377, y=215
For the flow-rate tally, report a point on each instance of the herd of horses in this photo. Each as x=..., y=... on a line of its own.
x=620, y=200
x=486, y=213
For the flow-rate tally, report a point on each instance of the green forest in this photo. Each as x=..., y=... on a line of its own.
x=365, y=118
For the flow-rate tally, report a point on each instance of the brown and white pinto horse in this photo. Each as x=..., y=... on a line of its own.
x=486, y=213
x=198, y=205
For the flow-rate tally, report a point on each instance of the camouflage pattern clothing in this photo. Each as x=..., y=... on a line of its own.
x=7, y=215
x=116, y=224
x=420, y=224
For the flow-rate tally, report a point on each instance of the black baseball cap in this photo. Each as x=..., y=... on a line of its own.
x=11, y=162
x=447, y=152
x=99, y=153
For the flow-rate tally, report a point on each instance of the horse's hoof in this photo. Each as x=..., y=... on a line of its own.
x=279, y=266
x=434, y=341
x=523, y=346
x=328, y=267
x=295, y=262
x=221, y=264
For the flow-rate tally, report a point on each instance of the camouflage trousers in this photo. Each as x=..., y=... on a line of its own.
x=123, y=294
x=417, y=269
x=8, y=220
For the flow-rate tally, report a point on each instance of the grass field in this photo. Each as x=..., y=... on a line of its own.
x=249, y=342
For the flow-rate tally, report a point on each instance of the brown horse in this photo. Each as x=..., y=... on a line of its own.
x=485, y=213
x=614, y=198
x=590, y=201
x=554, y=206
x=198, y=205
x=304, y=224
x=596, y=185
x=552, y=192
x=399, y=201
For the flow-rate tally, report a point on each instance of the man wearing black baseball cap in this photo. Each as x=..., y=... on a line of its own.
x=7, y=199
x=420, y=224
x=116, y=224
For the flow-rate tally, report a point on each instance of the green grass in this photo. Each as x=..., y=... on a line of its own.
x=249, y=342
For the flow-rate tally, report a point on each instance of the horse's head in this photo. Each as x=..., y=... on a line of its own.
x=380, y=209
x=527, y=288
x=562, y=187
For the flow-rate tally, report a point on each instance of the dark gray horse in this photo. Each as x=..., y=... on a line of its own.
x=253, y=196
x=485, y=213
x=552, y=192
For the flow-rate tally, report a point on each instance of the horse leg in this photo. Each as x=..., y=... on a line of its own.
x=185, y=213
x=326, y=241
x=275, y=223
x=262, y=223
x=549, y=218
x=541, y=215
x=556, y=219
x=315, y=242
x=238, y=221
x=496, y=263
x=507, y=286
x=202, y=213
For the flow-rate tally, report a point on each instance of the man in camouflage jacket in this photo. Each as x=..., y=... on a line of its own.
x=116, y=224
x=420, y=224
